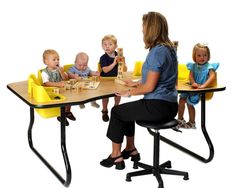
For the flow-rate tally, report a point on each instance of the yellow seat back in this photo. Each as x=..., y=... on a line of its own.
x=213, y=84
x=40, y=76
x=67, y=67
x=31, y=79
x=183, y=72
x=138, y=68
x=99, y=69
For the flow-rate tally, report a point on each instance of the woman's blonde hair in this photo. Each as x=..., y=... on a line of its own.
x=110, y=37
x=198, y=46
x=155, y=30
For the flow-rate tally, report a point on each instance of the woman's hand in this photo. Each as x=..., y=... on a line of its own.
x=131, y=83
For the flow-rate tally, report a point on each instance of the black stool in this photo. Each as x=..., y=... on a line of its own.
x=156, y=169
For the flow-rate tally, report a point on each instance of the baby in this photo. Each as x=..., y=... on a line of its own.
x=81, y=70
x=54, y=76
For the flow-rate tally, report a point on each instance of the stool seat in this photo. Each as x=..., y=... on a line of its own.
x=158, y=125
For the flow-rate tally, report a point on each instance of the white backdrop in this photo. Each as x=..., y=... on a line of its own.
x=29, y=27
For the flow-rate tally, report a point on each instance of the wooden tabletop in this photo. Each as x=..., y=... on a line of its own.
x=107, y=88
x=184, y=86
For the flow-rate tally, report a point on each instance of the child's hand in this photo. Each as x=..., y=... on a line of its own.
x=63, y=74
x=60, y=69
x=115, y=60
x=96, y=73
x=195, y=85
x=75, y=76
x=61, y=84
x=201, y=86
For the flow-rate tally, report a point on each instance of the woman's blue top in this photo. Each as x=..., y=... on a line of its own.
x=162, y=59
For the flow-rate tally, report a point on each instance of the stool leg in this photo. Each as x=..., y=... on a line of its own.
x=138, y=173
x=159, y=178
x=156, y=149
x=175, y=172
x=166, y=164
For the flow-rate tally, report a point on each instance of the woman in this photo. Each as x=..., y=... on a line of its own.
x=159, y=77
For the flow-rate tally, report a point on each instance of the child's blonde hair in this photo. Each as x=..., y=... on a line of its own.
x=81, y=55
x=196, y=47
x=110, y=37
x=49, y=52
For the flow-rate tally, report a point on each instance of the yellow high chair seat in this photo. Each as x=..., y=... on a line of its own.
x=99, y=69
x=213, y=84
x=183, y=72
x=138, y=68
x=67, y=67
x=42, y=95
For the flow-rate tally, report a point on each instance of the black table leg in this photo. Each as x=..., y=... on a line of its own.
x=204, y=131
x=63, y=148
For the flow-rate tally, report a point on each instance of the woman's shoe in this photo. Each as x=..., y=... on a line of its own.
x=109, y=162
x=127, y=154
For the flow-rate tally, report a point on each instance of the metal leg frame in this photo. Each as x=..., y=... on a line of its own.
x=204, y=131
x=66, y=181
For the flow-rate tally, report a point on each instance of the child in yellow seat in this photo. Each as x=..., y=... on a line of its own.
x=202, y=74
x=54, y=76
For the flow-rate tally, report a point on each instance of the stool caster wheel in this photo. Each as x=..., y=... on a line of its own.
x=128, y=178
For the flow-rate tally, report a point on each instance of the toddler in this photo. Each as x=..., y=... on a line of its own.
x=53, y=76
x=109, y=68
x=81, y=70
x=202, y=75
